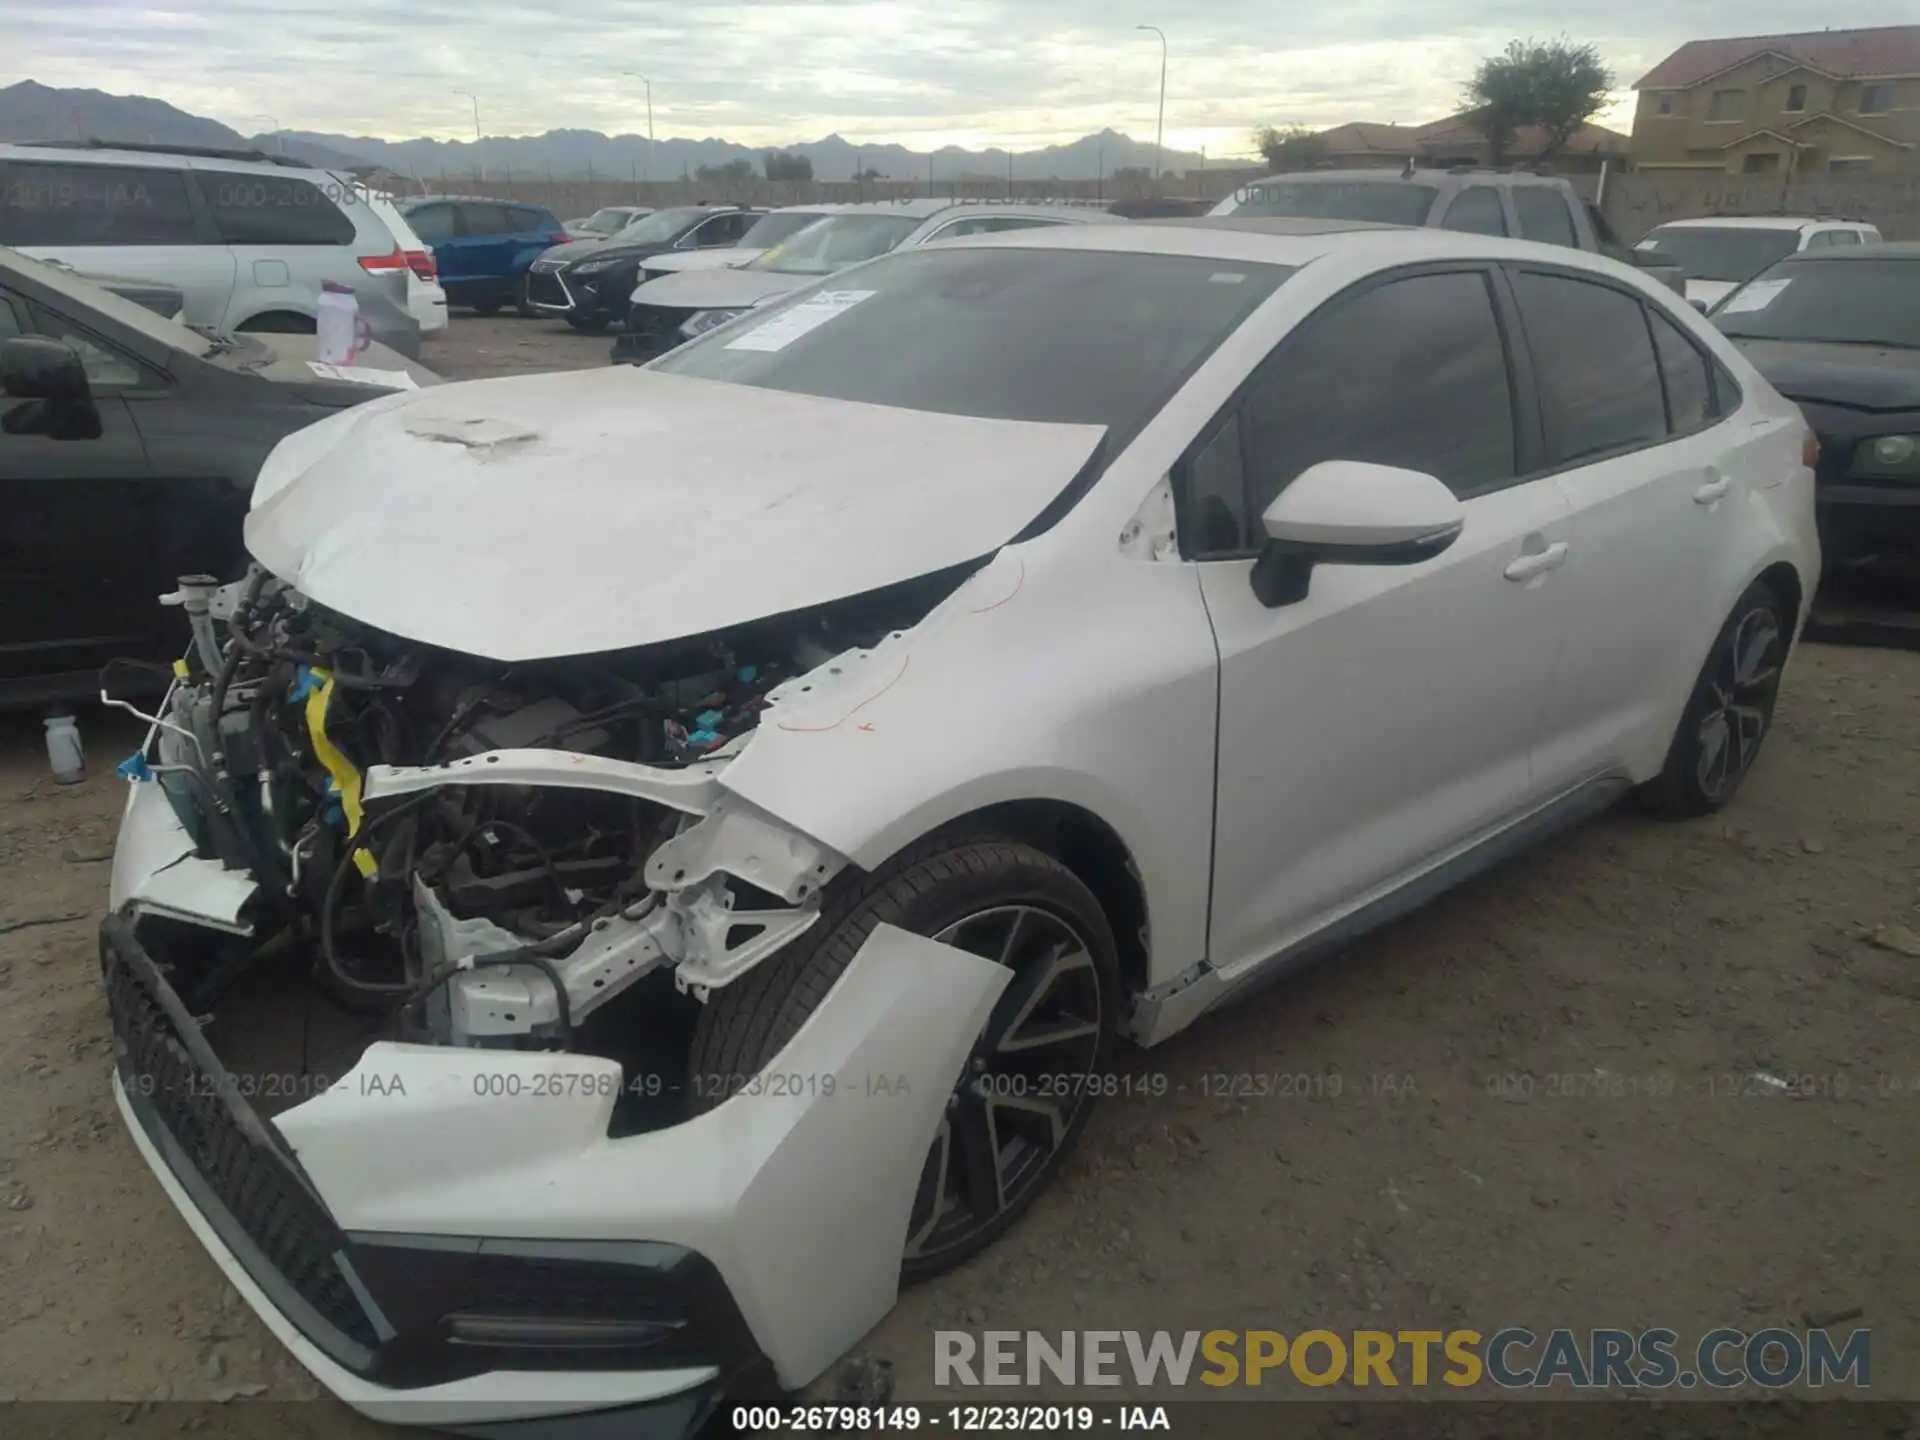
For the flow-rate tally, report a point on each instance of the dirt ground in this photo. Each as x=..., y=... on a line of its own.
x=1548, y=1111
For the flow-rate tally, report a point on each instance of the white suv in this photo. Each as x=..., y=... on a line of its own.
x=1721, y=252
x=247, y=238
x=760, y=789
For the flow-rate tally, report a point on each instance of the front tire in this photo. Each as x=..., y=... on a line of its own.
x=1729, y=712
x=1015, y=1110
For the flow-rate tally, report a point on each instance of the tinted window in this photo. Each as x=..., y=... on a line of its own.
x=770, y=230
x=1843, y=237
x=432, y=223
x=526, y=221
x=662, y=227
x=1411, y=373
x=1214, y=497
x=1819, y=240
x=1476, y=210
x=1689, y=380
x=1078, y=337
x=1544, y=215
x=477, y=219
x=93, y=205
x=1602, y=231
x=1853, y=301
x=1390, y=201
x=272, y=210
x=1707, y=252
x=10, y=324
x=987, y=225
x=106, y=367
x=1593, y=358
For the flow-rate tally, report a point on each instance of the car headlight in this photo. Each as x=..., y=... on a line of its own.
x=704, y=320
x=1888, y=455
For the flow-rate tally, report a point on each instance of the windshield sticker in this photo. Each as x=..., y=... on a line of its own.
x=385, y=379
x=809, y=315
x=1225, y=277
x=1757, y=295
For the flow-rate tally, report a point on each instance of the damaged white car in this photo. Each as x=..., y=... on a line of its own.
x=650, y=856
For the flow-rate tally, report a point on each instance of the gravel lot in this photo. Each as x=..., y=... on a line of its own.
x=1546, y=1111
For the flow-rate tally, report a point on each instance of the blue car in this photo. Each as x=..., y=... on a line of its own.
x=482, y=247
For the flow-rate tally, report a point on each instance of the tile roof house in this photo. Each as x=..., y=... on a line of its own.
x=1457, y=141
x=1825, y=102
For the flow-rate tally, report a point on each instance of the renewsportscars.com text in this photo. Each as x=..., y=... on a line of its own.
x=1513, y=1358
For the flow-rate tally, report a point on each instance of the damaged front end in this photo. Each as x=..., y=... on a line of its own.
x=405, y=956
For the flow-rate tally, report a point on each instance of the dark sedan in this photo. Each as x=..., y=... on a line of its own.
x=1838, y=333
x=587, y=283
x=128, y=448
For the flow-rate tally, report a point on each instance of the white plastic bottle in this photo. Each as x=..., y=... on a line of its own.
x=341, y=333
x=63, y=750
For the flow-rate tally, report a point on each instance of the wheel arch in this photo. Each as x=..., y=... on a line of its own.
x=304, y=318
x=1089, y=847
x=1784, y=580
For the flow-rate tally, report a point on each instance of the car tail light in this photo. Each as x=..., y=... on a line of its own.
x=421, y=263
x=1810, y=451
x=381, y=264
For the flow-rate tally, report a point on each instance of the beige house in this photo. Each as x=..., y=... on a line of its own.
x=1830, y=102
x=1456, y=141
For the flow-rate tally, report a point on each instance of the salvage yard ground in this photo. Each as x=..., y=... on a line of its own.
x=1649, y=1075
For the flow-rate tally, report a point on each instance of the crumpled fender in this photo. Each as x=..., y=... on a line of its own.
x=798, y=1189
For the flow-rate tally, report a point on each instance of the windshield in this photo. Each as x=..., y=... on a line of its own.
x=660, y=227
x=606, y=221
x=88, y=296
x=1842, y=302
x=1071, y=336
x=1390, y=201
x=769, y=230
x=1705, y=252
x=835, y=243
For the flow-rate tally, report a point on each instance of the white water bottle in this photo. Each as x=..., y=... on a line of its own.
x=63, y=750
x=342, y=334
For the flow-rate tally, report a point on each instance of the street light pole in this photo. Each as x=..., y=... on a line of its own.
x=479, y=159
x=1159, y=125
x=278, y=137
x=635, y=74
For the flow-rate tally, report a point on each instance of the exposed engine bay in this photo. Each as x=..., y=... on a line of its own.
x=485, y=854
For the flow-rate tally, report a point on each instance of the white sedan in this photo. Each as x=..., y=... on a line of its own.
x=752, y=795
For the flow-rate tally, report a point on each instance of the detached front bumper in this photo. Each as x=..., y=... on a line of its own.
x=451, y=1237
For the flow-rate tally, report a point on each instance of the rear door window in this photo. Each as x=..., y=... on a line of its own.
x=1593, y=359
x=527, y=221
x=272, y=210
x=1686, y=373
x=1476, y=210
x=52, y=204
x=1843, y=237
x=1544, y=215
x=481, y=219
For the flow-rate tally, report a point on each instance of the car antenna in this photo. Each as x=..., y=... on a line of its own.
x=1406, y=172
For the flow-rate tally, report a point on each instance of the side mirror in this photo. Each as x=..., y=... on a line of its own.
x=1349, y=512
x=50, y=375
x=1699, y=305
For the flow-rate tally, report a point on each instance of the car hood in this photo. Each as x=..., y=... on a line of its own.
x=1854, y=377
x=575, y=250
x=718, y=289
x=728, y=258
x=573, y=513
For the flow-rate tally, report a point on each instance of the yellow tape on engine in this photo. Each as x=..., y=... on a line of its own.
x=345, y=778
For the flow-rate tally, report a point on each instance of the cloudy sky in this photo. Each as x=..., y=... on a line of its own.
x=918, y=72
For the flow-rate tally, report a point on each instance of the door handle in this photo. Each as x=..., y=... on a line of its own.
x=1713, y=490
x=1528, y=566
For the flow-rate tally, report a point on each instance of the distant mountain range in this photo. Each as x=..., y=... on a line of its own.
x=31, y=111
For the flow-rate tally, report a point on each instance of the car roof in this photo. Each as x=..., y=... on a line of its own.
x=1384, y=175
x=1885, y=250
x=154, y=157
x=1755, y=222
x=1273, y=224
x=925, y=207
x=1271, y=245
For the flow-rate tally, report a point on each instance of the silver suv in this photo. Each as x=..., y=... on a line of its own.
x=246, y=237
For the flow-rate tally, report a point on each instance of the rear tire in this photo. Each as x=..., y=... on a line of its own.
x=587, y=324
x=1729, y=712
x=486, y=308
x=1003, y=1137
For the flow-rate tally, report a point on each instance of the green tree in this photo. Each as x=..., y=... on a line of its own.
x=780, y=165
x=1554, y=84
x=1290, y=147
x=734, y=172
